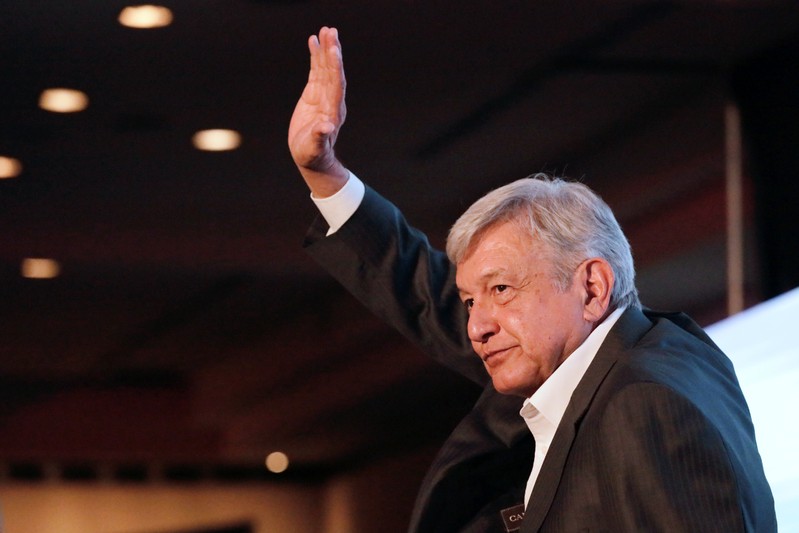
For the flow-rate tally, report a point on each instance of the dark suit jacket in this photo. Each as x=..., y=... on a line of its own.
x=657, y=435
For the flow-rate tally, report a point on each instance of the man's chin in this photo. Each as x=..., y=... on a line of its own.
x=505, y=388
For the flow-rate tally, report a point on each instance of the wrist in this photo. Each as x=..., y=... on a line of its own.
x=326, y=182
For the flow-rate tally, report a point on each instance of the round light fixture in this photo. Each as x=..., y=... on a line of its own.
x=62, y=100
x=39, y=268
x=277, y=462
x=9, y=167
x=145, y=16
x=216, y=140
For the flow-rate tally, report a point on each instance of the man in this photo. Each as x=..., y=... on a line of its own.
x=638, y=420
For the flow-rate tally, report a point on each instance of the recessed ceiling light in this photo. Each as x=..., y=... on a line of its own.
x=38, y=268
x=277, y=462
x=145, y=16
x=216, y=140
x=9, y=167
x=63, y=100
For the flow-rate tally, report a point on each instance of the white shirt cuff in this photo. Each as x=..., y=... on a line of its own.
x=337, y=209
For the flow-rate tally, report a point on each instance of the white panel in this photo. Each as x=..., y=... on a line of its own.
x=762, y=344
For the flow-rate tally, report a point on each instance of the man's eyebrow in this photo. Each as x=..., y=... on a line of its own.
x=492, y=273
x=485, y=276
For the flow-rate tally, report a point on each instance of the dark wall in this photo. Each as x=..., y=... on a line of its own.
x=767, y=90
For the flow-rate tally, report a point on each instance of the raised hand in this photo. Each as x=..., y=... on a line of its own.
x=319, y=115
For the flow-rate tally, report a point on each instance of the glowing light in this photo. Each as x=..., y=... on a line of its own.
x=216, y=140
x=145, y=16
x=37, y=268
x=63, y=100
x=9, y=167
x=277, y=462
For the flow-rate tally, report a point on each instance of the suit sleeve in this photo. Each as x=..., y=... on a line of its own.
x=664, y=465
x=393, y=270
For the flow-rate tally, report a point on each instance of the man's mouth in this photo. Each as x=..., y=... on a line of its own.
x=494, y=357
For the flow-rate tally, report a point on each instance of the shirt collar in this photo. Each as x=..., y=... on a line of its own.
x=553, y=396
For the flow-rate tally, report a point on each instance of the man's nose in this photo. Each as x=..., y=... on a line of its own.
x=482, y=324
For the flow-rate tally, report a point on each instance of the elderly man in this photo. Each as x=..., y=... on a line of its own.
x=637, y=417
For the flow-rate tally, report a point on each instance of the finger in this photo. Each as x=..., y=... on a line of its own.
x=321, y=46
x=332, y=62
x=337, y=82
x=314, y=48
x=329, y=42
x=328, y=36
x=333, y=56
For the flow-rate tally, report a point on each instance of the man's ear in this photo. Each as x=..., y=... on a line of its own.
x=597, y=281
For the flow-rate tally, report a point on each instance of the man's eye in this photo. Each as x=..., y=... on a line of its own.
x=468, y=304
x=503, y=293
x=499, y=289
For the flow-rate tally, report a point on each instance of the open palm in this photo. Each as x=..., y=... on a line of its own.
x=321, y=110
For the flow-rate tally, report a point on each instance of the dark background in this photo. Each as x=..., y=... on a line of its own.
x=188, y=334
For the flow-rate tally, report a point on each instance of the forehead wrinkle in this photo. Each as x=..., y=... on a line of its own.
x=492, y=272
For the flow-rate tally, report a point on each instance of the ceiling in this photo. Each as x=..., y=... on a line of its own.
x=189, y=333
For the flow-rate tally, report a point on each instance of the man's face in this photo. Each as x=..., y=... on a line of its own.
x=520, y=324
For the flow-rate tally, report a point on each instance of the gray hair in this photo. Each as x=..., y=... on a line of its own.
x=571, y=220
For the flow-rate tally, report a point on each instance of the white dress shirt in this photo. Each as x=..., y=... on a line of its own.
x=543, y=410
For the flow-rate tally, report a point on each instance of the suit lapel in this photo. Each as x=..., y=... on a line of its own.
x=552, y=470
x=630, y=327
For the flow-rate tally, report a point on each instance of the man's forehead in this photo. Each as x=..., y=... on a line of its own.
x=483, y=268
x=506, y=233
x=506, y=253
x=490, y=272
